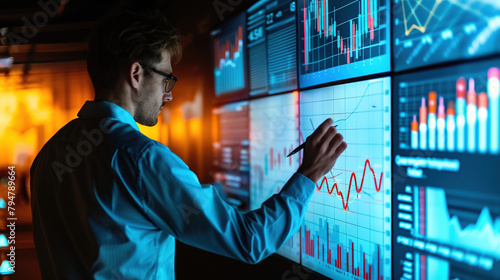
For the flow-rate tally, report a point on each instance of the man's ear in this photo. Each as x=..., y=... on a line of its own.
x=136, y=73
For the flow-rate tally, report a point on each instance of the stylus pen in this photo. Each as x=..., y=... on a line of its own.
x=301, y=147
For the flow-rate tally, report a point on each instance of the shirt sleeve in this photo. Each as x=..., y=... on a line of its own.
x=195, y=214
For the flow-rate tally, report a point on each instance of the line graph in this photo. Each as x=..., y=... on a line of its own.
x=467, y=231
x=354, y=198
x=353, y=177
x=409, y=15
x=433, y=31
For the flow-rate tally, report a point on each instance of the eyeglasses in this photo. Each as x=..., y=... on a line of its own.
x=171, y=79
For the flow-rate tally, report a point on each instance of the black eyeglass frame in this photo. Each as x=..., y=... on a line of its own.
x=169, y=77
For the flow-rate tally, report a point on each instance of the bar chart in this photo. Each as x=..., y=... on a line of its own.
x=358, y=255
x=453, y=113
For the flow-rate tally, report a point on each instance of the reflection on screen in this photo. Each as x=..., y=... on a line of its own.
x=274, y=127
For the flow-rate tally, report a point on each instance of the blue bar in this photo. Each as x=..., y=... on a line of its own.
x=360, y=18
x=266, y=168
x=357, y=43
x=365, y=16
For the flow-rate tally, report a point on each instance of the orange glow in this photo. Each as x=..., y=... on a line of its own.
x=164, y=134
x=152, y=132
x=24, y=116
x=195, y=127
x=178, y=125
x=215, y=129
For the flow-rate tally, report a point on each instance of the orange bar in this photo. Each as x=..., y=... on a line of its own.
x=414, y=124
x=432, y=102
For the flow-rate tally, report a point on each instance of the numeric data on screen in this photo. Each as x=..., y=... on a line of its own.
x=272, y=46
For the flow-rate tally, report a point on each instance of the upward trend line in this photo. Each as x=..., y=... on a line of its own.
x=419, y=26
x=359, y=103
x=345, y=203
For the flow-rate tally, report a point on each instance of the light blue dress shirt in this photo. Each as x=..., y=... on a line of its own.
x=109, y=202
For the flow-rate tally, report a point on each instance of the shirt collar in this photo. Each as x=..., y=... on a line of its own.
x=105, y=109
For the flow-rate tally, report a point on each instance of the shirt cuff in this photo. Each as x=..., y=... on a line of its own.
x=299, y=186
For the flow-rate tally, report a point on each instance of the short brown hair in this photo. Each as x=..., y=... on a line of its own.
x=123, y=38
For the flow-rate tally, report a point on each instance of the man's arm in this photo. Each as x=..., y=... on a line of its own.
x=196, y=215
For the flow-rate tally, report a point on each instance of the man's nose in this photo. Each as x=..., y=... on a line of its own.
x=168, y=97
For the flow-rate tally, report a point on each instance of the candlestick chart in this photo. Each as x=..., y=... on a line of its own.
x=342, y=39
x=273, y=135
x=433, y=31
x=346, y=232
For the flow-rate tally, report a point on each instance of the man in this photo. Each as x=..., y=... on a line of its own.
x=108, y=202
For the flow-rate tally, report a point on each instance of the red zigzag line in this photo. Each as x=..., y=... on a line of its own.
x=353, y=176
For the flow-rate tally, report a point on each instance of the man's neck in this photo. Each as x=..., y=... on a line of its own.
x=121, y=99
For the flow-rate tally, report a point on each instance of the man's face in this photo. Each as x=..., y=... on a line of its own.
x=153, y=95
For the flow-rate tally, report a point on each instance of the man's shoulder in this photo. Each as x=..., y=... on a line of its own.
x=126, y=138
x=106, y=135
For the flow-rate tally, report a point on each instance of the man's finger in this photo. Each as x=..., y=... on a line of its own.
x=341, y=148
x=329, y=134
x=318, y=133
x=336, y=141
